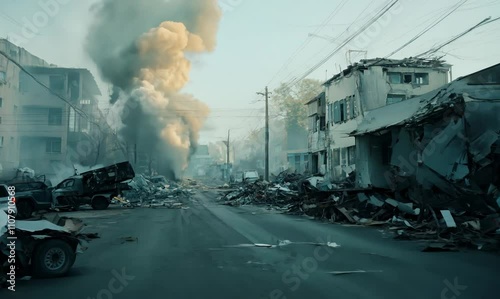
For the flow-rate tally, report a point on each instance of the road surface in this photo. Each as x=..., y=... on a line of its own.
x=200, y=252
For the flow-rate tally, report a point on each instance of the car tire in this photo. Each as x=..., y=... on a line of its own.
x=52, y=258
x=100, y=203
x=24, y=209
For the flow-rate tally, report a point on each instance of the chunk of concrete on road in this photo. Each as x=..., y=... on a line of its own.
x=448, y=218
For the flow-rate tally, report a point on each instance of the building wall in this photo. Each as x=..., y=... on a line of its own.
x=10, y=109
x=363, y=91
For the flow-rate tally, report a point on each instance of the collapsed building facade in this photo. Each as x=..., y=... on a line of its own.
x=351, y=94
x=440, y=149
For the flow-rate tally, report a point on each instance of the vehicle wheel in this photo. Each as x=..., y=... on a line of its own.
x=52, y=258
x=24, y=209
x=100, y=203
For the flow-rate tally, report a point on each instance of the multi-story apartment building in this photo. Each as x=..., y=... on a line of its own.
x=48, y=114
x=57, y=112
x=9, y=104
x=368, y=85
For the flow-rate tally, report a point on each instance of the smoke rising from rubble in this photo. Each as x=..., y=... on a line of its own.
x=140, y=47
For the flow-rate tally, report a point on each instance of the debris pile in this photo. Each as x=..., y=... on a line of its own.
x=407, y=217
x=142, y=192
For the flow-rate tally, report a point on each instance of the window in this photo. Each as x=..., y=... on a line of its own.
x=322, y=123
x=394, y=78
x=351, y=151
x=336, y=112
x=55, y=116
x=395, y=98
x=1, y=141
x=314, y=123
x=53, y=145
x=56, y=83
x=353, y=107
x=343, y=152
x=421, y=78
x=2, y=76
x=335, y=157
x=1, y=101
x=343, y=110
x=408, y=78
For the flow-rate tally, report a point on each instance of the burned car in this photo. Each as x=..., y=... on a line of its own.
x=96, y=187
x=32, y=197
x=41, y=248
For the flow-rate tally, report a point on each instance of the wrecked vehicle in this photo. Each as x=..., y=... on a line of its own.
x=250, y=176
x=32, y=197
x=41, y=249
x=96, y=187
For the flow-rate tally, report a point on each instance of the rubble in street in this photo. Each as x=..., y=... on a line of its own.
x=406, y=218
x=142, y=192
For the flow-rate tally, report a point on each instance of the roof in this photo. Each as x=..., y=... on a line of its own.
x=477, y=86
x=406, y=62
x=89, y=81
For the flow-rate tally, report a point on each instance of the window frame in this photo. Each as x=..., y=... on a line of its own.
x=51, y=117
x=49, y=145
x=389, y=77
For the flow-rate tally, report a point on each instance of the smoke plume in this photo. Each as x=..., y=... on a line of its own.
x=141, y=48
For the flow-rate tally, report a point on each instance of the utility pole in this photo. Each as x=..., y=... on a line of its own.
x=266, y=172
x=227, y=143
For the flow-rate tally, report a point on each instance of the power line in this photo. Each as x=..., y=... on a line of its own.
x=308, y=40
x=439, y=47
x=385, y=9
x=427, y=28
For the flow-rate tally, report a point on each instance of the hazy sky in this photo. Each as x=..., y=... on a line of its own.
x=258, y=37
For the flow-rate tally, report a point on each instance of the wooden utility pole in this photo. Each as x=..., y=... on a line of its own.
x=266, y=159
x=266, y=174
x=227, y=143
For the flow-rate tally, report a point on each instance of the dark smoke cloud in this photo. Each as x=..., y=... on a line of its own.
x=140, y=47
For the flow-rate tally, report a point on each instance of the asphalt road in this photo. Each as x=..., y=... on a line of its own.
x=197, y=253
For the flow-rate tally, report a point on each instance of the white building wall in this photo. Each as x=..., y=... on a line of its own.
x=10, y=107
x=370, y=89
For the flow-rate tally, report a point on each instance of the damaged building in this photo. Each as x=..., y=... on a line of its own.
x=365, y=86
x=51, y=119
x=441, y=148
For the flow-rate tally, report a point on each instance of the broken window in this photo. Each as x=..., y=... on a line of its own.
x=421, y=78
x=351, y=152
x=395, y=98
x=55, y=116
x=56, y=83
x=394, y=78
x=53, y=145
x=408, y=78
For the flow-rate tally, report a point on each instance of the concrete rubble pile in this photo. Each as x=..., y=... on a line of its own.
x=144, y=193
x=406, y=218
